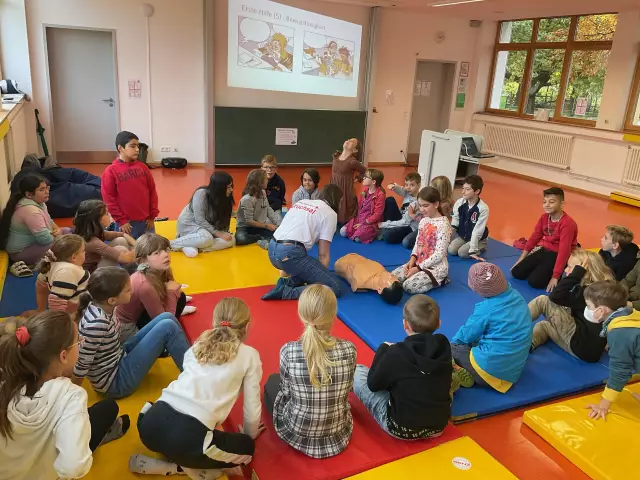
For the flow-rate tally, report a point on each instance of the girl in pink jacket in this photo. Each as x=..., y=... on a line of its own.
x=363, y=228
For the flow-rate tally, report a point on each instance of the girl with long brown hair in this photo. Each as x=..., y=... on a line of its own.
x=154, y=289
x=46, y=429
x=256, y=220
x=216, y=369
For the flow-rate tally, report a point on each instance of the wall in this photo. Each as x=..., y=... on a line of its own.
x=177, y=65
x=396, y=57
x=244, y=97
x=428, y=113
x=598, y=156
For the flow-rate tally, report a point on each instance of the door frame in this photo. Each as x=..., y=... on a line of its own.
x=413, y=83
x=45, y=26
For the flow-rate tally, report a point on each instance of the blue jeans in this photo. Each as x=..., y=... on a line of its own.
x=376, y=402
x=142, y=350
x=304, y=270
x=138, y=228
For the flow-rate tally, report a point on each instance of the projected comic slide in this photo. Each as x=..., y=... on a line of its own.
x=326, y=56
x=265, y=45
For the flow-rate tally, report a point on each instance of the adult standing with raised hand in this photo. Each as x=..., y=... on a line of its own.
x=307, y=223
x=344, y=165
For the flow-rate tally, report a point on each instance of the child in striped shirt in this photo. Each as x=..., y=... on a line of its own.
x=113, y=369
x=62, y=279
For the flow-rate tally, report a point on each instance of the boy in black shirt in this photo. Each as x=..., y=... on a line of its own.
x=276, y=189
x=407, y=389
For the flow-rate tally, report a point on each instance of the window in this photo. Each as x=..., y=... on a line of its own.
x=633, y=111
x=558, y=64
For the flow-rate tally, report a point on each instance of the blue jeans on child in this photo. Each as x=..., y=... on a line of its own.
x=143, y=349
x=138, y=228
x=302, y=268
x=376, y=402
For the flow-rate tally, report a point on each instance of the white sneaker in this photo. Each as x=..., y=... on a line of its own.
x=151, y=466
x=188, y=310
x=264, y=244
x=198, y=474
x=189, y=298
x=190, y=252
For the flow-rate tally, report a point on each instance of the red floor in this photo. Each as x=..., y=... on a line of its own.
x=515, y=205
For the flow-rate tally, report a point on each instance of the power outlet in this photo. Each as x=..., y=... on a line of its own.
x=165, y=149
x=175, y=150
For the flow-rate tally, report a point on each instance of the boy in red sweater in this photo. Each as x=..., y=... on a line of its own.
x=556, y=235
x=128, y=189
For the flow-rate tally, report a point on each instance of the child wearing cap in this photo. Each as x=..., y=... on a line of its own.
x=493, y=345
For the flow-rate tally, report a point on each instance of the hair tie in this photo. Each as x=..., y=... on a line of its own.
x=143, y=267
x=225, y=324
x=22, y=334
x=50, y=256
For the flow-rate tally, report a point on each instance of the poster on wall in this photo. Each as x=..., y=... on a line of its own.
x=461, y=93
x=464, y=69
x=581, y=106
x=425, y=89
x=418, y=88
x=286, y=136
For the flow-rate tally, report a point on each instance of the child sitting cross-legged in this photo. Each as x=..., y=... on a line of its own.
x=182, y=424
x=493, y=345
x=47, y=431
x=409, y=194
x=428, y=266
x=256, y=220
x=565, y=322
x=113, y=369
x=363, y=228
x=607, y=306
x=408, y=387
x=469, y=219
x=309, y=399
x=618, y=251
x=401, y=225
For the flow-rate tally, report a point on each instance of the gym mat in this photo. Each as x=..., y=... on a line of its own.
x=18, y=295
x=549, y=372
x=601, y=449
x=272, y=325
x=461, y=459
x=495, y=250
x=382, y=252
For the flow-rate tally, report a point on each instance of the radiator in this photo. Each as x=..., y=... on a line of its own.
x=545, y=148
x=632, y=168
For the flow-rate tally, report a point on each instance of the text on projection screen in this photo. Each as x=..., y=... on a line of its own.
x=277, y=47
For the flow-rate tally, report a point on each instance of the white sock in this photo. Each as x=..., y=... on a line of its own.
x=188, y=298
x=190, y=252
x=188, y=310
x=151, y=466
x=201, y=474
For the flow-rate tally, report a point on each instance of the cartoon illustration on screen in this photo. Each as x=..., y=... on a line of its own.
x=264, y=45
x=327, y=56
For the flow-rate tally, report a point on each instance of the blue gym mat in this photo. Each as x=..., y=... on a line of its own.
x=549, y=372
x=18, y=295
x=383, y=253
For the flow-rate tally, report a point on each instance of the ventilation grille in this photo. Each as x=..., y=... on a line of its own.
x=632, y=169
x=544, y=148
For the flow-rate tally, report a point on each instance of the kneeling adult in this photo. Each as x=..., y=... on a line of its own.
x=307, y=223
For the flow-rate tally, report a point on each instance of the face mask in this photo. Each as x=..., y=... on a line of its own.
x=589, y=315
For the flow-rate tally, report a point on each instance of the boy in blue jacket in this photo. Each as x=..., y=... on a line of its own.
x=607, y=304
x=493, y=345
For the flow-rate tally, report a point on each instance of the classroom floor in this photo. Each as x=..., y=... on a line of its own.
x=515, y=205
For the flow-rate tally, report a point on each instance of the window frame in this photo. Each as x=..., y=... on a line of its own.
x=569, y=46
x=634, y=98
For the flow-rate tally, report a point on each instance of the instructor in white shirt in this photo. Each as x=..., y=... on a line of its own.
x=306, y=223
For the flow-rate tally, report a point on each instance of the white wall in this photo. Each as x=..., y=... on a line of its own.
x=177, y=65
x=245, y=97
x=403, y=39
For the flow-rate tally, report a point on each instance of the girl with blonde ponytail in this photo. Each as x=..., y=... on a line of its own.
x=309, y=398
x=185, y=417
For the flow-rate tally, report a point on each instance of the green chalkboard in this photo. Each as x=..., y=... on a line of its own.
x=244, y=135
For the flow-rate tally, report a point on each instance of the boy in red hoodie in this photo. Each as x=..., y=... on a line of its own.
x=128, y=189
x=556, y=233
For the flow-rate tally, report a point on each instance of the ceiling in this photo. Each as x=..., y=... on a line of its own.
x=504, y=9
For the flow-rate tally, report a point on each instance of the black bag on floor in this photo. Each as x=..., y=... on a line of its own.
x=174, y=162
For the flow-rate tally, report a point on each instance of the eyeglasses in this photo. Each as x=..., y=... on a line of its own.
x=264, y=167
x=79, y=342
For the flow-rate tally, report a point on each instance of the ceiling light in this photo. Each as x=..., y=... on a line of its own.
x=448, y=3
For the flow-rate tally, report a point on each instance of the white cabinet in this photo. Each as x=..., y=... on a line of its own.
x=13, y=145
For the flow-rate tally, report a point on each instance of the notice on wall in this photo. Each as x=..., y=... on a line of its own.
x=418, y=88
x=135, y=89
x=425, y=89
x=581, y=106
x=461, y=93
x=286, y=136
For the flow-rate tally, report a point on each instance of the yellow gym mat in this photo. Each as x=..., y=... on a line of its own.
x=601, y=449
x=237, y=267
x=111, y=461
x=459, y=459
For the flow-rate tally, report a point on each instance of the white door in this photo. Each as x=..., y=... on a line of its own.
x=83, y=94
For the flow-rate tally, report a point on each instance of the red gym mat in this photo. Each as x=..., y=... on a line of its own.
x=273, y=324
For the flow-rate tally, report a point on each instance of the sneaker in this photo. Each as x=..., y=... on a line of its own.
x=190, y=252
x=188, y=310
x=151, y=466
x=264, y=244
x=462, y=375
x=188, y=298
x=275, y=294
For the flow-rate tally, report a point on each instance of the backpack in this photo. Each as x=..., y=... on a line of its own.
x=174, y=162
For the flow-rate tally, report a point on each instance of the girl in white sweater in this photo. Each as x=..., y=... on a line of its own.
x=46, y=430
x=181, y=425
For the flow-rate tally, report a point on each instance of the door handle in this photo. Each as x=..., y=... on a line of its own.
x=110, y=101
